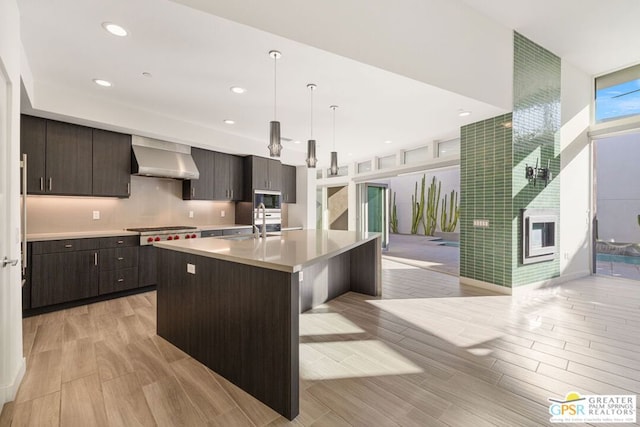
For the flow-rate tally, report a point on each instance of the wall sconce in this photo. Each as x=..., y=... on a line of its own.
x=535, y=173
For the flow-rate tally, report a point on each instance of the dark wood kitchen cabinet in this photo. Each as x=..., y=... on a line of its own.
x=227, y=177
x=288, y=184
x=69, y=159
x=72, y=160
x=201, y=188
x=261, y=173
x=111, y=164
x=63, y=271
x=33, y=139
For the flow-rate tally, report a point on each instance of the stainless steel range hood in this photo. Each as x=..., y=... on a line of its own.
x=163, y=159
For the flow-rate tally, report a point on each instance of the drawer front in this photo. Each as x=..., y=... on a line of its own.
x=118, y=258
x=236, y=231
x=118, y=280
x=211, y=233
x=67, y=245
x=119, y=241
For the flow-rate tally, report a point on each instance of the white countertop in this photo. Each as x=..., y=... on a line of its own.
x=36, y=237
x=289, y=252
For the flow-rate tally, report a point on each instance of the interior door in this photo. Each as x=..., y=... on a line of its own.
x=373, y=206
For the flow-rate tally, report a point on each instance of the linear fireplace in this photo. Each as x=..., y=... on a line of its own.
x=539, y=235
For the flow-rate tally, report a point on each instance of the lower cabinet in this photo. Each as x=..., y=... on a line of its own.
x=118, y=269
x=63, y=277
x=63, y=271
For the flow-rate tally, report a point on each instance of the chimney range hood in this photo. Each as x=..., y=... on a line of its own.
x=162, y=159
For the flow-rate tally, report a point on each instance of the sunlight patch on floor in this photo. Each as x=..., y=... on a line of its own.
x=352, y=359
x=327, y=324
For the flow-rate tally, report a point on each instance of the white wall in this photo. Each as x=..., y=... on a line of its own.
x=12, y=363
x=404, y=187
x=618, y=188
x=303, y=212
x=576, y=173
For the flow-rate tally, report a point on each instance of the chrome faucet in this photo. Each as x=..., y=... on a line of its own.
x=256, y=231
x=264, y=218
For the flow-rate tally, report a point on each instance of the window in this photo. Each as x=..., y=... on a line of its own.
x=417, y=155
x=387, y=162
x=618, y=94
x=449, y=148
x=364, y=166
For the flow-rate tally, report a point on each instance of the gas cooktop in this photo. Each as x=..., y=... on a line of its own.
x=168, y=228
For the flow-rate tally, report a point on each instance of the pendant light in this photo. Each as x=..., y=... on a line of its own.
x=311, y=143
x=274, y=126
x=333, y=171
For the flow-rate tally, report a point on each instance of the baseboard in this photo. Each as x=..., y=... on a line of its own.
x=485, y=285
x=520, y=291
x=8, y=391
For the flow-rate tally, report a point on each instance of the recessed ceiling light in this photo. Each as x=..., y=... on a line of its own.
x=388, y=142
x=114, y=29
x=464, y=113
x=147, y=74
x=238, y=89
x=230, y=122
x=103, y=83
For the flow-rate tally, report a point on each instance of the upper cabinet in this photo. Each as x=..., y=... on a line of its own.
x=201, y=188
x=288, y=184
x=227, y=181
x=73, y=160
x=220, y=177
x=111, y=164
x=261, y=174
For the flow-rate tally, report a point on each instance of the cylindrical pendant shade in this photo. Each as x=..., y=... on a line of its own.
x=334, y=163
x=311, y=153
x=274, y=141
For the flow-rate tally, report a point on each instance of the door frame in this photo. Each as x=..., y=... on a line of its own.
x=362, y=218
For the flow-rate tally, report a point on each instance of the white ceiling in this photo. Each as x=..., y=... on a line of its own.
x=195, y=57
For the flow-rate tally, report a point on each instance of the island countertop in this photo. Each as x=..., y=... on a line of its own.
x=288, y=252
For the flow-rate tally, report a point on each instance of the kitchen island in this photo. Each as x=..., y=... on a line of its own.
x=234, y=304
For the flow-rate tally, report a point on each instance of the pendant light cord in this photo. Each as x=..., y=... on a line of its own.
x=311, y=89
x=333, y=107
x=275, y=87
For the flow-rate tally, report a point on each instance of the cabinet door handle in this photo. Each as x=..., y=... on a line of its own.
x=42, y=183
x=68, y=246
x=95, y=258
x=50, y=184
x=128, y=188
x=120, y=258
x=120, y=280
x=231, y=191
x=193, y=191
x=120, y=242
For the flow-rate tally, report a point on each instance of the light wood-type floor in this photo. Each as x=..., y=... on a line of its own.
x=429, y=353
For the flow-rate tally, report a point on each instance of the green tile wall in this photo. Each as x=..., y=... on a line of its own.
x=486, y=154
x=494, y=154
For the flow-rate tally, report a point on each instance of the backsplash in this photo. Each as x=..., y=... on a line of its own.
x=153, y=201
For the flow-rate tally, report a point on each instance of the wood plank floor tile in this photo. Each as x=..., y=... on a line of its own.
x=40, y=412
x=233, y=418
x=169, y=352
x=78, y=326
x=112, y=358
x=331, y=419
x=6, y=414
x=259, y=413
x=43, y=375
x=78, y=359
x=202, y=388
x=147, y=362
x=125, y=402
x=49, y=336
x=82, y=403
x=169, y=404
